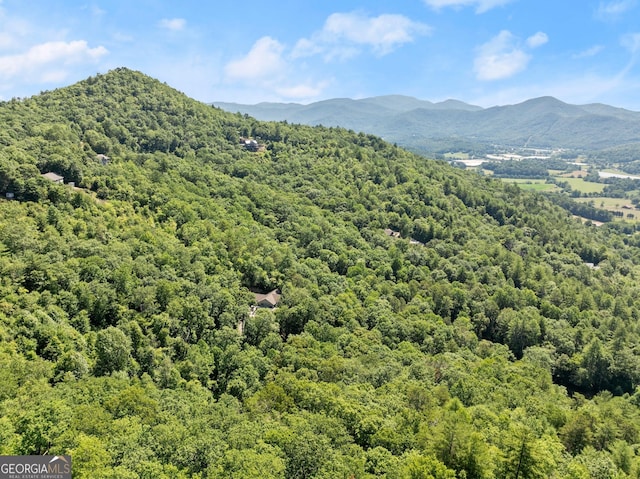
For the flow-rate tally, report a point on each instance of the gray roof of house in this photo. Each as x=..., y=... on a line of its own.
x=272, y=297
x=53, y=176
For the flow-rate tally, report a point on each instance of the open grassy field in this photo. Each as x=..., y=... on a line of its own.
x=623, y=207
x=531, y=185
x=620, y=205
x=578, y=184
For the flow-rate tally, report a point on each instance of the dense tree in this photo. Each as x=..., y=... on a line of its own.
x=112, y=351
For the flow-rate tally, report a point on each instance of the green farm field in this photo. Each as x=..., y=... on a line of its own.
x=531, y=185
x=615, y=205
x=578, y=184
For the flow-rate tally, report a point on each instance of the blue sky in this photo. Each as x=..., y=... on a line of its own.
x=485, y=52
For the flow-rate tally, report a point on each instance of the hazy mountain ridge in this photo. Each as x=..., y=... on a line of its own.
x=417, y=124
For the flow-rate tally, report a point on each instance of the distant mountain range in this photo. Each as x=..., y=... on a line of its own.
x=544, y=122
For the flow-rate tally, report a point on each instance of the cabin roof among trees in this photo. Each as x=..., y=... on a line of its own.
x=271, y=298
x=56, y=178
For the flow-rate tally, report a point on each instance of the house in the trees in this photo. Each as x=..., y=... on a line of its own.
x=251, y=145
x=263, y=300
x=104, y=159
x=268, y=300
x=392, y=233
x=54, y=177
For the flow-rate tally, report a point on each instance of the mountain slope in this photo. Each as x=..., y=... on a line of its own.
x=425, y=126
x=432, y=321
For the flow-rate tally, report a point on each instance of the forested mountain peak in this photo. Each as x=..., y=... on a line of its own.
x=428, y=322
x=542, y=106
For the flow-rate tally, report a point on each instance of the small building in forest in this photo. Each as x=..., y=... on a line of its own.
x=268, y=300
x=54, y=177
x=251, y=145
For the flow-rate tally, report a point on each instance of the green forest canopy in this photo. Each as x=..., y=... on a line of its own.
x=496, y=337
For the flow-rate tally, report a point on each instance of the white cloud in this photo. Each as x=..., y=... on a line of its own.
x=267, y=72
x=343, y=34
x=589, y=52
x=263, y=60
x=39, y=57
x=481, y=6
x=537, y=40
x=173, y=24
x=500, y=58
x=615, y=9
x=383, y=33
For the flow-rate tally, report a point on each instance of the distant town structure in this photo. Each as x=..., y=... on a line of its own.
x=54, y=177
x=9, y=195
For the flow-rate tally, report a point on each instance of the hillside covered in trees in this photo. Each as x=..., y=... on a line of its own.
x=491, y=336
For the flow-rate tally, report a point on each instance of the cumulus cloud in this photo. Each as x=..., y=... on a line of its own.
x=481, y=6
x=173, y=24
x=266, y=70
x=537, y=40
x=263, y=60
x=500, y=58
x=40, y=57
x=615, y=9
x=275, y=68
x=344, y=34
